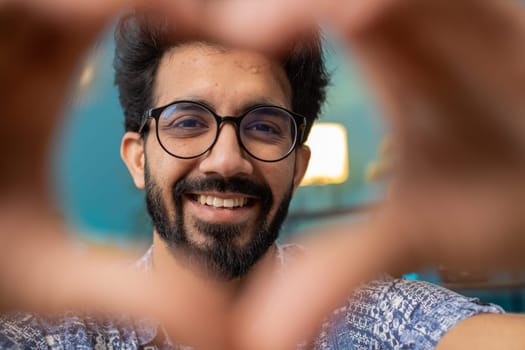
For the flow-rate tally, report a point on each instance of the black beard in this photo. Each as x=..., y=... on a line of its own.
x=222, y=258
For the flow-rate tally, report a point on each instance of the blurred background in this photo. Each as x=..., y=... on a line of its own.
x=351, y=157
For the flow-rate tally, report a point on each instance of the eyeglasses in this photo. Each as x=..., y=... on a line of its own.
x=188, y=129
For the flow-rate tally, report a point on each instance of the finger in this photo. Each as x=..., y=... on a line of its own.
x=267, y=25
x=263, y=25
x=74, y=11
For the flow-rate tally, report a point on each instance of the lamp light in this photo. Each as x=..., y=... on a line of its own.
x=329, y=159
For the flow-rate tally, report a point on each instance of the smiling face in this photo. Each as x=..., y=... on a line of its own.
x=222, y=210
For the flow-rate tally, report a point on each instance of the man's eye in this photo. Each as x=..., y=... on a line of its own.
x=188, y=123
x=261, y=127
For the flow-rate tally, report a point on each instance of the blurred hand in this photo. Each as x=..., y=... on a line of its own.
x=42, y=45
x=450, y=77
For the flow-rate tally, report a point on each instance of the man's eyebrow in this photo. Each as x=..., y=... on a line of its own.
x=242, y=108
x=200, y=100
x=257, y=102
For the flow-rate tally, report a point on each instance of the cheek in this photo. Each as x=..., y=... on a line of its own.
x=166, y=171
x=280, y=179
x=166, y=168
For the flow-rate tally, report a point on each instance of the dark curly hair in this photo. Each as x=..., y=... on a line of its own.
x=141, y=43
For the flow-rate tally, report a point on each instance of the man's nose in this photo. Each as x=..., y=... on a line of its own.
x=226, y=158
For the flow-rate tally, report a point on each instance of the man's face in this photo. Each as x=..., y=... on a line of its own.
x=222, y=210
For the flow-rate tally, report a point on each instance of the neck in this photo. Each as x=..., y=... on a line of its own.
x=165, y=262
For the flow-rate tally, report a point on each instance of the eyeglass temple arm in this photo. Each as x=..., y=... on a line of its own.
x=302, y=131
x=148, y=114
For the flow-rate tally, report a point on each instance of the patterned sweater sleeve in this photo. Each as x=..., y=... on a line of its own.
x=68, y=331
x=398, y=314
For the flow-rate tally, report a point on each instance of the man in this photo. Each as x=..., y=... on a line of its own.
x=214, y=135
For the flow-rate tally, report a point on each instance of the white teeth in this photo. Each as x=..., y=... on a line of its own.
x=222, y=203
x=217, y=202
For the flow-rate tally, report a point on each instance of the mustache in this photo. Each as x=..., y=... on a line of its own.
x=215, y=183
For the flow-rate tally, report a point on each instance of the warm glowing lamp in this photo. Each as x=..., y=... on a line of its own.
x=329, y=160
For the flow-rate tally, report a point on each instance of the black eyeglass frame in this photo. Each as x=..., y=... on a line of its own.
x=299, y=120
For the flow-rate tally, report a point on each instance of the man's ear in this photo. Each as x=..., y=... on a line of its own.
x=132, y=153
x=302, y=158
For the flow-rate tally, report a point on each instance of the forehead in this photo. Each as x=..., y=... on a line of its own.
x=221, y=77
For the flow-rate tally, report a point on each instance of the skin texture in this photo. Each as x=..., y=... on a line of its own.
x=435, y=74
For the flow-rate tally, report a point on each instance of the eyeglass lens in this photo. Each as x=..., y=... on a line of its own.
x=188, y=130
